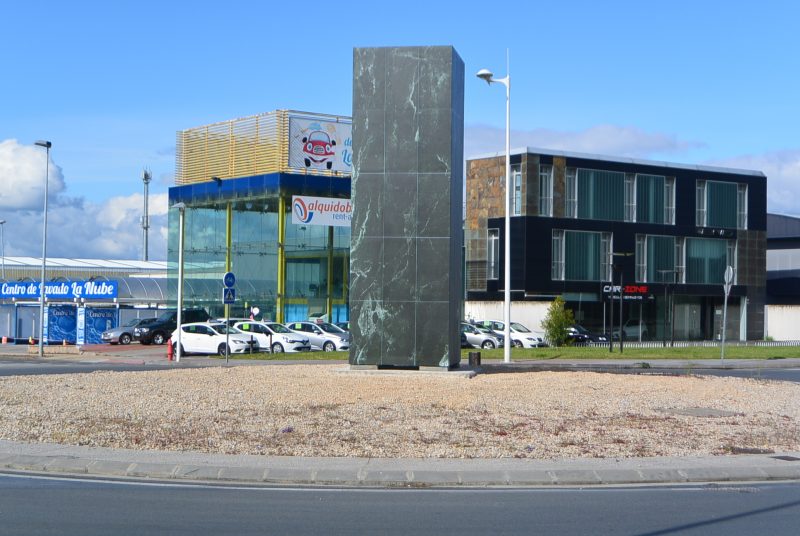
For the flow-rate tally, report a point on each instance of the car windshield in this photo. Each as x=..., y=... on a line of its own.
x=166, y=316
x=131, y=323
x=519, y=328
x=330, y=328
x=319, y=136
x=485, y=330
x=278, y=328
x=222, y=329
x=580, y=329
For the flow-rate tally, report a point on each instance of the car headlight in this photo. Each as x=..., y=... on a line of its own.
x=237, y=341
x=143, y=330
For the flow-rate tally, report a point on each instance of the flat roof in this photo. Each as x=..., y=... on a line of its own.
x=60, y=262
x=621, y=160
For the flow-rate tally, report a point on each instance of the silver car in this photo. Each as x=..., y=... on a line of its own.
x=124, y=334
x=322, y=335
x=479, y=338
x=275, y=338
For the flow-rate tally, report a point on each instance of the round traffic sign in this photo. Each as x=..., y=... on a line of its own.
x=229, y=280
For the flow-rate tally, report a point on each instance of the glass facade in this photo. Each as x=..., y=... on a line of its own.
x=655, y=259
x=706, y=260
x=239, y=226
x=545, y=190
x=721, y=204
x=650, y=198
x=581, y=256
x=516, y=175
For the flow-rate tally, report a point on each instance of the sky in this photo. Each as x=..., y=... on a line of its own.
x=110, y=84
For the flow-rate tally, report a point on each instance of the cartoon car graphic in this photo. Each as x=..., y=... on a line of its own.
x=318, y=148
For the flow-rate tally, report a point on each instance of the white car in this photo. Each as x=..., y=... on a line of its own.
x=210, y=338
x=521, y=336
x=322, y=335
x=274, y=337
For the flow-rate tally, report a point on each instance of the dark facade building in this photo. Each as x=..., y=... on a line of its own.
x=586, y=227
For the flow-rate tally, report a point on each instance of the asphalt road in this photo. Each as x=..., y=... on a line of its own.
x=42, y=506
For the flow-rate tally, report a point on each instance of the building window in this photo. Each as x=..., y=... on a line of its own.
x=630, y=197
x=601, y=195
x=493, y=254
x=680, y=260
x=700, y=204
x=557, y=271
x=732, y=260
x=516, y=175
x=655, y=259
x=721, y=204
x=581, y=256
x=650, y=198
x=571, y=196
x=545, y=190
x=707, y=258
x=741, y=206
x=669, y=201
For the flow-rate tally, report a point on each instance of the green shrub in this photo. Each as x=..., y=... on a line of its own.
x=555, y=324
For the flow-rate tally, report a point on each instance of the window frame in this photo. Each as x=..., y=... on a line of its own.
x=516, y=179
x=546, y=188
x=493, y=254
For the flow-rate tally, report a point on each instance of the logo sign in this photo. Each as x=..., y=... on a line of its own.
x=319, y=145
x=61, y=290
x=308, y=210
x=631, y=292
x=229, y=280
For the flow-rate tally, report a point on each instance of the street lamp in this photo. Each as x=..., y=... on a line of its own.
x=663, y=274
x=485, y=74
x=181, y=221
x=46, y=145
x=3, y=247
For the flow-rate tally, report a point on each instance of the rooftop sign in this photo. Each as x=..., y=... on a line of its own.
x=61, y=290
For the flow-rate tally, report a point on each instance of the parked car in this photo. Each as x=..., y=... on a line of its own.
x=211, y=338
x=580, y=335
x=521, y=337
x=273, y=337
x=124, y=334
x=158, y=332
x=479, y=339
x=501, y=338
x=631, y=330
x=322, y=335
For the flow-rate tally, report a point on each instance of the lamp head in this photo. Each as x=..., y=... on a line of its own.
x=217, y=180
x=485, y=74
x=180, y=206
x=43, y=143
x=2, y=222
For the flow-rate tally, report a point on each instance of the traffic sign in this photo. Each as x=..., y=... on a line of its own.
x=228, y=296
x=229, y=280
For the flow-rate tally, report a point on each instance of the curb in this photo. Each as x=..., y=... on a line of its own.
x=401, y=473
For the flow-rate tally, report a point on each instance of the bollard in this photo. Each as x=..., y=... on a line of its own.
x=5, y=340
x=474, y=359
x=170, y=350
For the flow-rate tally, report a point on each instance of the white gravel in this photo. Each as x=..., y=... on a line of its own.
x=315, y=410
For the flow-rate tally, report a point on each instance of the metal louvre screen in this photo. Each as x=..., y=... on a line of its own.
x=243, y=147
x=601, y=195
x=706, y=259
x=650, y=198
x=582, y=256
x=722, y=199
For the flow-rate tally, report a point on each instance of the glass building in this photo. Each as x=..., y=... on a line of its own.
x=240, y=182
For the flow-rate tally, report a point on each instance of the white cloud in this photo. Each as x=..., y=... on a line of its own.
x=75, y=227
x=782, y=169
x=22, y=176
x=602, y=139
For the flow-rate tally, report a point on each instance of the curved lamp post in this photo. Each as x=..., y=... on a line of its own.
x=485, y=74
x=47, y=145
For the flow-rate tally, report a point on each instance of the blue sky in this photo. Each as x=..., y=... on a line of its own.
x=110, y=83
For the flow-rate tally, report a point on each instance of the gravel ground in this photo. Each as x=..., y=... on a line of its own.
x=316, y=410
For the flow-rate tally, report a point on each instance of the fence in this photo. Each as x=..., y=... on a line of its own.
x=695, y=344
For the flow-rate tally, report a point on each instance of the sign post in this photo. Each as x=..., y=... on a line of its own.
x=727, y=288
x=228, y=297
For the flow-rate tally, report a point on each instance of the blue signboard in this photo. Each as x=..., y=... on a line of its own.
x=61, y=323
x=229, y=279
x=97, y=321
x=228, y=296
x=90, y=290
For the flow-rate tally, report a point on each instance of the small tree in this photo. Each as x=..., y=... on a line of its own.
x=555, y=324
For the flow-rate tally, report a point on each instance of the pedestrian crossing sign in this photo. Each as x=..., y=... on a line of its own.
x=228, y=296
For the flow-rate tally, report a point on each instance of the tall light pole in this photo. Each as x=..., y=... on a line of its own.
x=146, y=178
x=3, y=247
x=485, y=74
x=178, y=318
x=46, y=145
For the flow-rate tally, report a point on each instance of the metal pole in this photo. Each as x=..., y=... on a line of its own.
x=46, y=145
x=179, y=315
x=621, y=331
x=724, y=323
x=146, y=177
x=611, y=315
x=3, y=247
x=507, y=271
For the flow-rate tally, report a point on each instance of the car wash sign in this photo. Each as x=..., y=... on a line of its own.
x=60, y=290
x=318, y=145
x=307, y=210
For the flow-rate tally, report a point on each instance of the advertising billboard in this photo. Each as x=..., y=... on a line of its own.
x=308, y=210
x=319, y=145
